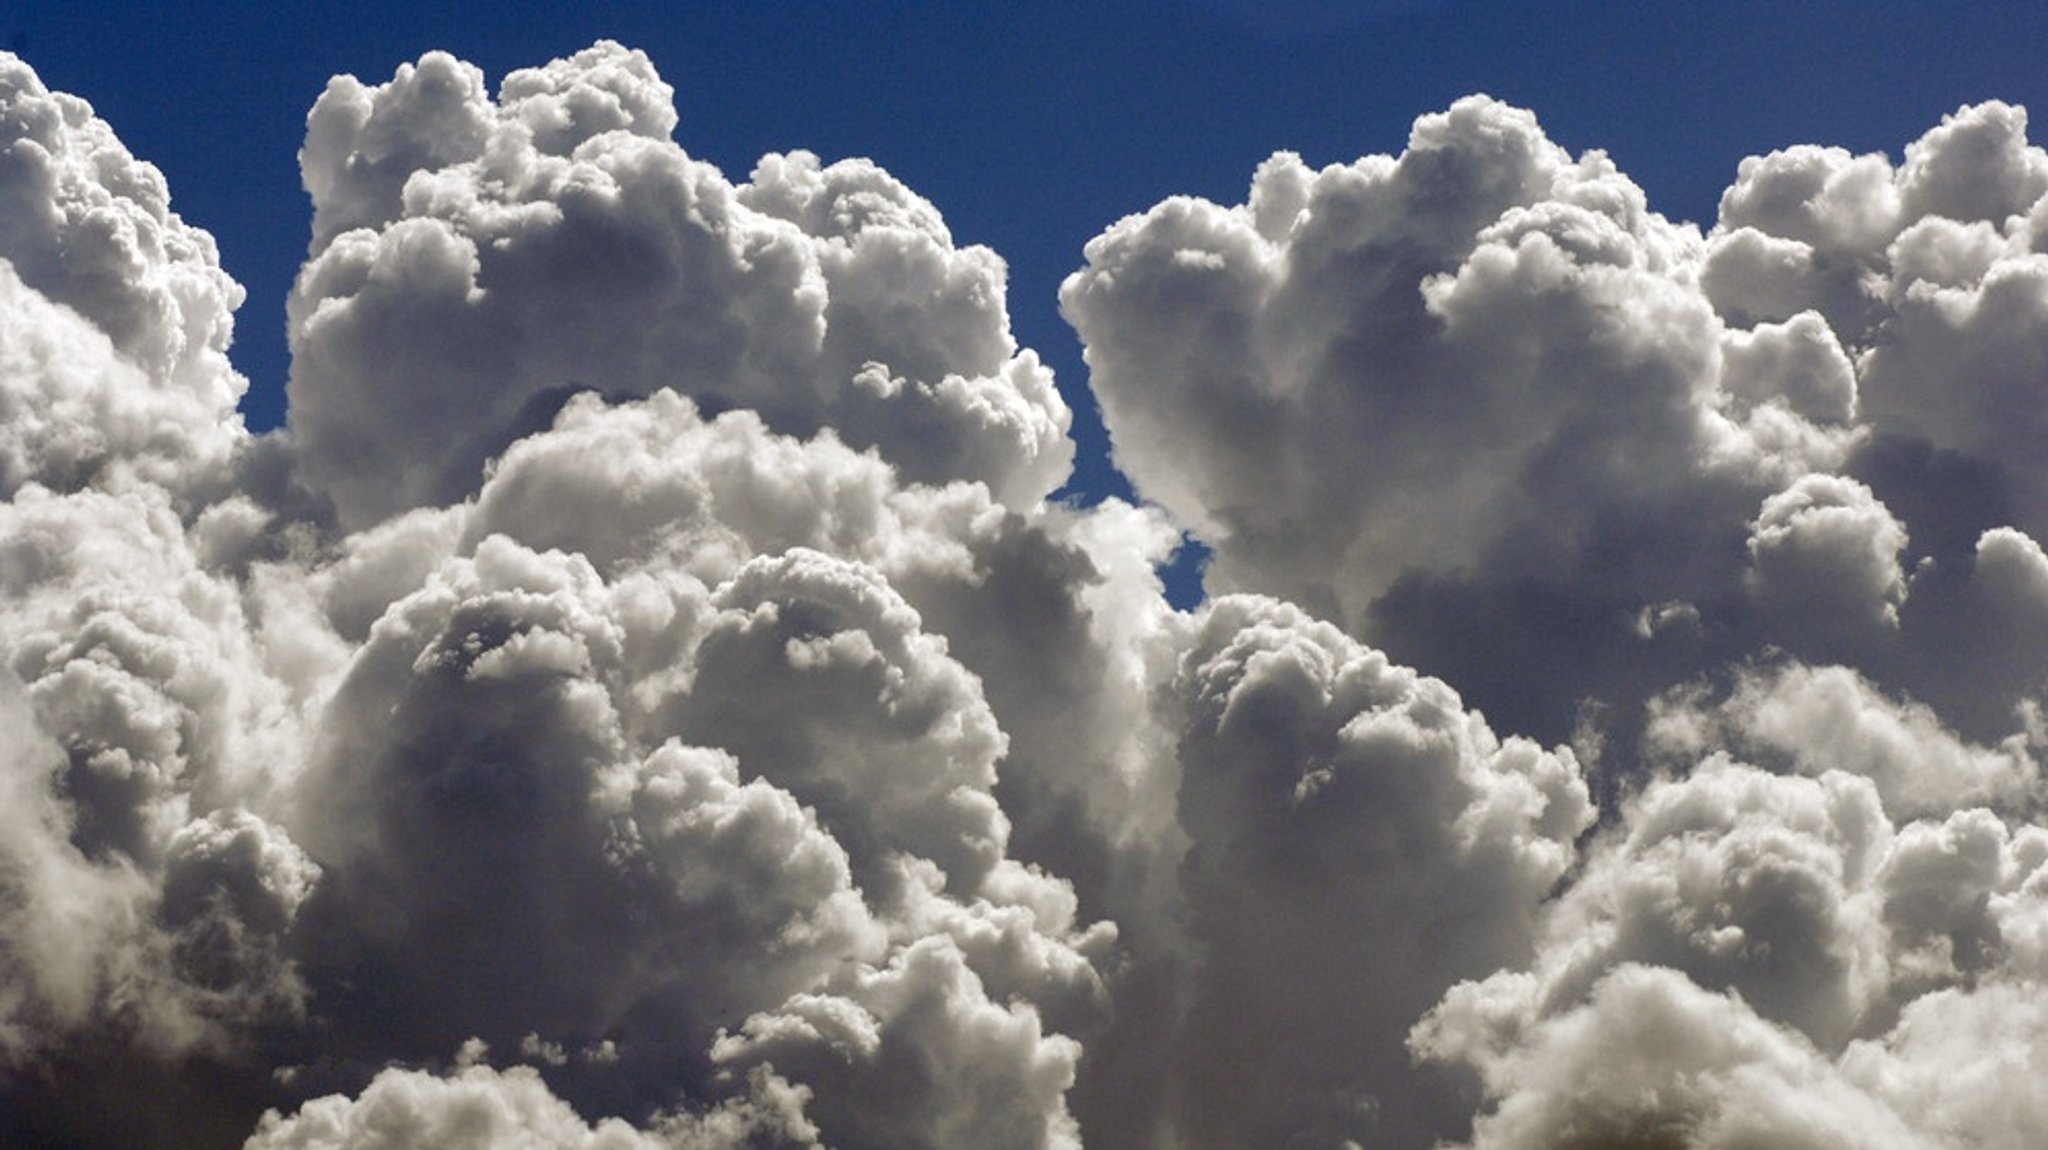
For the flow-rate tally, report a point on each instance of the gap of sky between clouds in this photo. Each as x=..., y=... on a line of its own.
x=1033, y=127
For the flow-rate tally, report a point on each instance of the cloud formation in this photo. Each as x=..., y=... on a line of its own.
x=645, y=697
x=475, y=261
x=116, y=313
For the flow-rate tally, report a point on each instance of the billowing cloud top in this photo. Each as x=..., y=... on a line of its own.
x=645, y=698
x=115, y=313
x=476, y=261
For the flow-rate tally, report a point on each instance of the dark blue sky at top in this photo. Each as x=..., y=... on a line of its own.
x=1032, y=127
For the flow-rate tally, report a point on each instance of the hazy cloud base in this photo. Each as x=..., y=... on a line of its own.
x=645, y=697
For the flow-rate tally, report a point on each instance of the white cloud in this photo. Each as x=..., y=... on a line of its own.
x=147, y=901
x=922, y=1033
x=1743, y=881
x=1825, y=557
x=475, y=1106
x=1761, y=959
x=1651, y=1059
x=691, y=689
x=1357, y=841
x=474, y=262
x=115, y=315
x=1520, y=342
x=1965, y=1064
x=1819, y=719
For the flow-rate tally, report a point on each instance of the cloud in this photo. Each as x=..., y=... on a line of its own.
x=474, y=262
x=1479, y=404
x=1755, y=956
x=475, y=1105
x=1825, y=561
x=1651, y=1059
x=1925, y=271
x=1964, y=1064
x=1522, y=342
x=650, y=652
x=1472, y=403
x=148, y=899
x=1812, y=720
x=1352, y=824
x=115, y=313
x=922, y=1033
x=316, y=799
x=665, y=901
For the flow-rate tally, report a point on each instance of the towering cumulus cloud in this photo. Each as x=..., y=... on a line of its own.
x=644, y=696
x=474, y=262
x=1749, y=515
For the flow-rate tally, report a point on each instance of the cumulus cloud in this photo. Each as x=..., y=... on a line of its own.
x=475, y=261
x=151, y=712
x=646, y=698
x=475, y=1105
x=1651, y=1059
x=1351, y=823
x=115, y=315
x=1825, y=560
x=647, y=793
x=1751, y=956
x=1812, y=720
x=1482, y=406
x=148, y=905
x=1519, y=339
x=1698, y=500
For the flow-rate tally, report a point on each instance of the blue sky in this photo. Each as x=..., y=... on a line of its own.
x=1033, y=127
